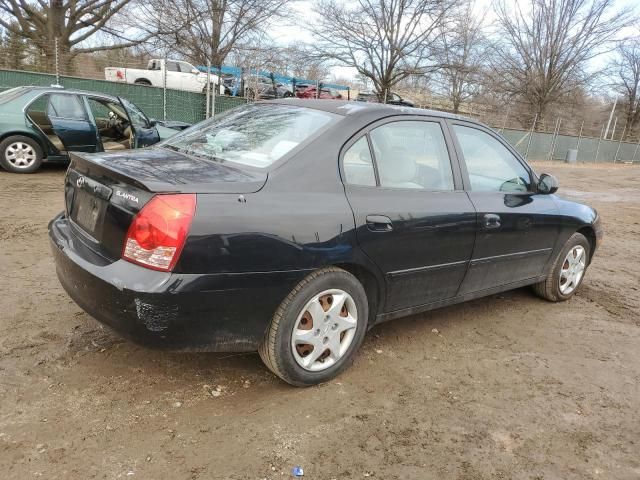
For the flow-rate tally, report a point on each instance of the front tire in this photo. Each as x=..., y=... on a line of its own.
x=20, y=154
x=317, y=329
x=567, y=272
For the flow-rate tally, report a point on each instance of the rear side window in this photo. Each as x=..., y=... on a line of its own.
x=254, y=135
x=358, y=164
x=66, y=106
x=412, y=155
x=491, y=166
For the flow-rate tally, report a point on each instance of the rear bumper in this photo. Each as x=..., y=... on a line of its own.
x=204, y=312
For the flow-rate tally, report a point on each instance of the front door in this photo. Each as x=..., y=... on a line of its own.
x=70, y=123
x=413, y=218
x=144, y=134
x=517, y=227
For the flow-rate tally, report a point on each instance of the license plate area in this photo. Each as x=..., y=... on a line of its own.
x=88, y=212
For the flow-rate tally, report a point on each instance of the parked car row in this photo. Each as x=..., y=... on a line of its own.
x=182, y=75
x=392, y=99
x=43, y=124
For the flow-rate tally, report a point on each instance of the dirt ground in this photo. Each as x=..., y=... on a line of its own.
x=507, y=387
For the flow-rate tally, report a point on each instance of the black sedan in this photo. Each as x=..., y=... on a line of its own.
x=293, y=226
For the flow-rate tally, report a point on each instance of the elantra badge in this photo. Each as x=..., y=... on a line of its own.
x=126, y=196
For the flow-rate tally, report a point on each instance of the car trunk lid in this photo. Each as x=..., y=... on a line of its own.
x=104, y=192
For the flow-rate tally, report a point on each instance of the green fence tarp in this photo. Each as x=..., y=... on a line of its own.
x=180, y=105
x=191, y=107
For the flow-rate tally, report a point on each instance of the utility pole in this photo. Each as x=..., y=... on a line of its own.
x=613, y=131
x=610, y=117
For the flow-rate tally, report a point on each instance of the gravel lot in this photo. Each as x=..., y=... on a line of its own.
x=507, y=387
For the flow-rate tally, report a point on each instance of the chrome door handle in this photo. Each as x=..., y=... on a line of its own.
x=491, y=220
x=379, y=223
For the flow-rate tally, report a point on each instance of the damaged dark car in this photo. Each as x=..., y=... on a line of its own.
x=291, y=227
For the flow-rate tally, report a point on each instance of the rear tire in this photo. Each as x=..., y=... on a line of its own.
x=304, y=348
x=567, y=273
x=20, y=154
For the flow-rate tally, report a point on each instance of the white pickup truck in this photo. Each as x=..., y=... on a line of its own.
x=179, y=75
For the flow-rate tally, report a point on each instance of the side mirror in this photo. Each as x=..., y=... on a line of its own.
x=547, y=184
x=195, y=71
x=152, y=122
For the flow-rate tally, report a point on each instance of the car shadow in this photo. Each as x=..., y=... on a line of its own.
x=108, y=354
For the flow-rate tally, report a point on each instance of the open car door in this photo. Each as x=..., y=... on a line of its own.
x=144, y=132
x=63, y=119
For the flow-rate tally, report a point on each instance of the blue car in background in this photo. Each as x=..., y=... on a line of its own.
x=43, y=124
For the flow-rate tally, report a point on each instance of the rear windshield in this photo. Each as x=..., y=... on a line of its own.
x=254, y=135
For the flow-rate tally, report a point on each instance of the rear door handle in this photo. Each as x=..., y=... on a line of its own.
x=379, y=223
x=491, y=220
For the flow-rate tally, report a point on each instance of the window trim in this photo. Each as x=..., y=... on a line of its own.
x=463, y=162
x=454, y=162
x=346, y=147
x=25, y=109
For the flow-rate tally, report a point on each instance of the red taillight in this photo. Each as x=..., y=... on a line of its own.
x=158, y=232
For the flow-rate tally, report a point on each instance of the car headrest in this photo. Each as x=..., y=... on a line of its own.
x=397, y=167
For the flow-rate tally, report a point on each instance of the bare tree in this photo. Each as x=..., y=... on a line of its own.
x=384, y=40
x=545, y=45
x=625, y=71
x=209, y=30
x=462, y=57
x=72, y=24
x=13, y=50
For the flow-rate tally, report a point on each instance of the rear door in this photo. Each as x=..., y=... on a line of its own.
x=413, y=218
x=144, y=134
x=517, y=227
x=70, y=122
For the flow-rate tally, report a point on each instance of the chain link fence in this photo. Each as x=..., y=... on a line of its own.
x=540, y=146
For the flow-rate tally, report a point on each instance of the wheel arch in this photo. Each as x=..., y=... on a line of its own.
x=590, y=234
x=31, y=135
x=142, y=81
x=371, y=286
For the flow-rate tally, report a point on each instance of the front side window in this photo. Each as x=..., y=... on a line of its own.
x=66, y=106
x=358, y=164
x=491, y=166
x=253, y=135
x=186, y=67
x=172, y=67
x=413, y=155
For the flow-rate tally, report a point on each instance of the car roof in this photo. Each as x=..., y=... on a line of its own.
x=59, y=89
x=348, y=108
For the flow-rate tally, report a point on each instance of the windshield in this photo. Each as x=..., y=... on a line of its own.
x=253, y=135
x=11, y=94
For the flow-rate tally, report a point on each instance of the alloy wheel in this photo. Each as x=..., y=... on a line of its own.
x=572, y=269
x=20, y=155
x=324, y=330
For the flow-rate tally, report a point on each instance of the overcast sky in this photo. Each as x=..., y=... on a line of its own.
x=303, y=15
